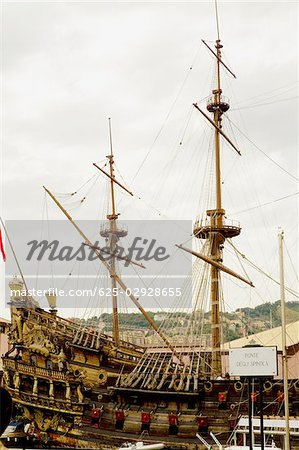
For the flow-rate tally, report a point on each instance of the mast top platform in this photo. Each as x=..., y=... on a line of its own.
x=218, y=102
x=215, y=223
x=119, y=231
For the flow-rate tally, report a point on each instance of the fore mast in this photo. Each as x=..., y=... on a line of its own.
x=215, y=228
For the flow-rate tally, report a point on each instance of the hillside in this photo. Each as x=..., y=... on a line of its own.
x=242, y=322
x=271, y=311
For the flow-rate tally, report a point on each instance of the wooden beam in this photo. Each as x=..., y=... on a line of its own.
x=122, y=258
x=217, y=128
x=113, y=179
x=216, y=264
x=219, y=59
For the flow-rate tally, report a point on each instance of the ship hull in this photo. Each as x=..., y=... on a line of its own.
x=105, y=431
x=72, y=385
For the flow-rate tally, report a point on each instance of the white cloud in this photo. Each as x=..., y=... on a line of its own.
x=67, y=67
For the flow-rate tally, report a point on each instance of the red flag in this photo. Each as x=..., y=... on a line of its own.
x=2, y=247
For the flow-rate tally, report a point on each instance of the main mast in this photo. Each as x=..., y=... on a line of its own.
x=215, y=229
x=112, y=234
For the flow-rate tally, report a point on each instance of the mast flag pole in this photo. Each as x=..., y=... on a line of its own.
x=283, y=340
x=111, y=166
x=217, y=20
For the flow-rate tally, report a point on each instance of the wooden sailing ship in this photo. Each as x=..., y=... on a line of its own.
x=78, y=387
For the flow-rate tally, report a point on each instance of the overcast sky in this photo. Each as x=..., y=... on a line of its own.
x=68, y=66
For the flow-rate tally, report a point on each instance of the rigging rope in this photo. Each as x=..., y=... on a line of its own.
x=265, y=104
x=292, y=264
x=288, y=86
x=291, y=291
x=14, y=254
x=167, y=116
x=265, y=204
x=264, y=153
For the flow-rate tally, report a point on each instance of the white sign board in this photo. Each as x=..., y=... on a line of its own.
x=253, y=361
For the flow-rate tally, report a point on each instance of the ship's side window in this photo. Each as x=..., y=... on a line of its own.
x=2, y=329
x=49, y=364
x=191, y=404
x=33, y=360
